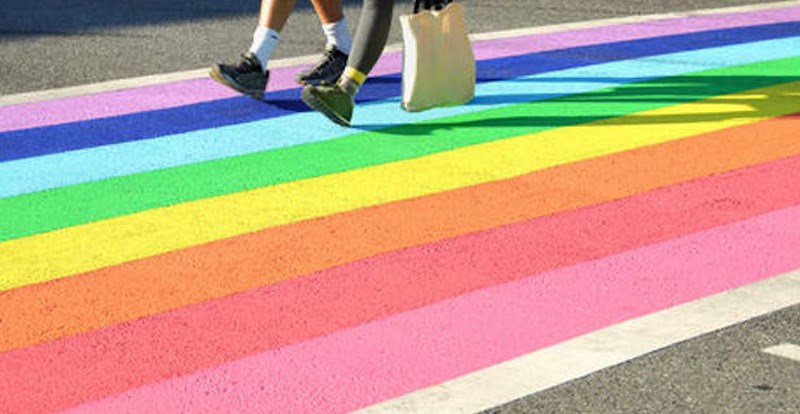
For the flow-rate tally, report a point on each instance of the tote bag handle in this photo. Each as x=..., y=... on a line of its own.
x=430, y=4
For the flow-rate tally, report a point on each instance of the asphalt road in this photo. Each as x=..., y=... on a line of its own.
x=721, y=372
x=48, y=44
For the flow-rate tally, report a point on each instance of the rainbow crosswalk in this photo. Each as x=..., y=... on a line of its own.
x=178, y=248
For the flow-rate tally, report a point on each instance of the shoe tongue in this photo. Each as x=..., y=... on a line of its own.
x=251, y=59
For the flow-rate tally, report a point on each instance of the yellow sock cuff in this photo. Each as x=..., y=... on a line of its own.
x=354, y=74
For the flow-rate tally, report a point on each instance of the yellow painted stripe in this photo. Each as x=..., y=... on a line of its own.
x=86, y=247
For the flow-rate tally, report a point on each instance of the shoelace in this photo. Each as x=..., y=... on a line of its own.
x=326, y=59
x=247, y=64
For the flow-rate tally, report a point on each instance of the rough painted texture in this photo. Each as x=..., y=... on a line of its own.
x=175, y=94
x=596, y=178
x=243, y=143
x=319, y=304
x=135, y=289
x=357, y=367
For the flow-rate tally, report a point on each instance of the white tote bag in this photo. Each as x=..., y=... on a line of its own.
x=438, y=63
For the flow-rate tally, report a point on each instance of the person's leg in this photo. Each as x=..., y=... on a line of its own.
x=328, y=11
x=376, y=20
x=334, y=24
x=337, y=47
x=336, y=102
x=273, y=16
x=250, y=75
x=275, y=13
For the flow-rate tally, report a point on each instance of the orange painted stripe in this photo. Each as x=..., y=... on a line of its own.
x=96, y=299
x=204, y=336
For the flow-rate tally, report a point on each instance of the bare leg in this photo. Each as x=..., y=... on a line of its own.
x=251, y=74
x=328, y=11
x=274, y=13
x=271, y=19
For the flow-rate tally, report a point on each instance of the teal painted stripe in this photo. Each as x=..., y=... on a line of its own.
x=67, y=206
x=70, y=168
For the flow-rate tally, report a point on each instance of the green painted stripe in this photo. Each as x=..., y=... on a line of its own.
x=83, y=203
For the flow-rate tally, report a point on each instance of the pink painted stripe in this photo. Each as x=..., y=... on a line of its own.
x=108, y=104
x=387, y=358
x=206, y=335
x=384, y=359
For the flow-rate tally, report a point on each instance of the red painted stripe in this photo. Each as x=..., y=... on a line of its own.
x=176, y=343
x=390, y=357
x=132, y=290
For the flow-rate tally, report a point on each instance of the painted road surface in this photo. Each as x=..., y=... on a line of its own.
x=174, y=247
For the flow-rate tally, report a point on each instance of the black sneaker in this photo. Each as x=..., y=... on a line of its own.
x=328, y=69
x=246, y=76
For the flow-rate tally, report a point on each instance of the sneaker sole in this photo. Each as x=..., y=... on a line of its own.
x=314, y=82
x=315, y=103
x=224, y=79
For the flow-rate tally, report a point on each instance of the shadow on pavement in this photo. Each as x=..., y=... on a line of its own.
x=605, y=104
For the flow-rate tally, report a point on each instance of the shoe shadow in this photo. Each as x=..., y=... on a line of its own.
x=291, y=105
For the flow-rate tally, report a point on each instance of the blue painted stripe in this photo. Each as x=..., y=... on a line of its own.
x=40, y=173
x=146, y=125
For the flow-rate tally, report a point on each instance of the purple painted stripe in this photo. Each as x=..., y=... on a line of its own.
x=173, y=94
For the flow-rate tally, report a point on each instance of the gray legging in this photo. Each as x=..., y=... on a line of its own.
x=371, y=35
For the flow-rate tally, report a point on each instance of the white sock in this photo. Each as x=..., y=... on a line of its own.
x=264, y=42
x=338, y=34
